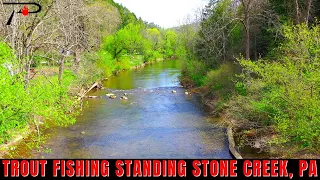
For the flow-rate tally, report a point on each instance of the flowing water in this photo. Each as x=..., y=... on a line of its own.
x=153, y=123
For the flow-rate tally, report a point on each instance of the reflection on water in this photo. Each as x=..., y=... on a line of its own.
x=160, y=74
x=153, y=123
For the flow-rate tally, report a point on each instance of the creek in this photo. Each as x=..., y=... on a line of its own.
x=154, y=123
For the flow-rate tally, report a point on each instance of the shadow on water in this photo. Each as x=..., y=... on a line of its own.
x=152, y=123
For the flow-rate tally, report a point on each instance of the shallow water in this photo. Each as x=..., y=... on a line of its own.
x=152, y=123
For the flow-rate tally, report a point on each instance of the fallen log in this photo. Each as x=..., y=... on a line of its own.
x=96, y=84
x=232, y=145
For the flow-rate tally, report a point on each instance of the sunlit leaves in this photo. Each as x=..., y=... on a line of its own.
x=290, y=91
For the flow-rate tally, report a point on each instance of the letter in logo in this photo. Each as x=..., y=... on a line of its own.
x=24, y=11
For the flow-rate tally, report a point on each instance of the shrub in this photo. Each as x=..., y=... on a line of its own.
x=222, y=78
x=195, y=70
x=51, y=102
x=123, y=63
x=106, y=63
x=137, y=60
x=14, y=106
x=88, y=71
x=286, y=93
x=6, y=54
x=44, y=99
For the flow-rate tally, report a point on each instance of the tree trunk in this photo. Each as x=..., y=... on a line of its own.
x=61, y=69
x=247, y=21
x=224, y=47
x=28, y=60
x=255, y=47
x=14, y=34
x=27, y=75
x=297, y=12
x=308, y=11
x=76, y=60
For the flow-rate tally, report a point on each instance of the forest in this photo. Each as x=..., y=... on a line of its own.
x=256, y=61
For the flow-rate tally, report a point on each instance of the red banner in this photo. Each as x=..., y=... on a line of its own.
x=160, y=168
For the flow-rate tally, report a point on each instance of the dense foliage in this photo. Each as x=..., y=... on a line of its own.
x=135, y=44
x=43, y=101
x=260, y=62
x=285, y=92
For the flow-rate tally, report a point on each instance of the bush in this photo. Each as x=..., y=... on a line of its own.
x=106, y=63
x=44, y=99
x=221, y=83
x=52, y=102
x=123, y=63
x=14, y=106
x=6, y=54
x=137, y=60
x=181, y=52
x=222, y=78
x=195, y=70
x=13, y=97
x=88, y=71
x=153, y=55
x=241, y=88
x=286, y=93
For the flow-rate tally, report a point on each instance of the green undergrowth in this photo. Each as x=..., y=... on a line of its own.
x=273, y=102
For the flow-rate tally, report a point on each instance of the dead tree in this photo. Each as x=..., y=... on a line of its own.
x=71, y=32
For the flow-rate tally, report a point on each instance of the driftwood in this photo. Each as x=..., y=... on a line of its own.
x=232, y=145
x=96, y=84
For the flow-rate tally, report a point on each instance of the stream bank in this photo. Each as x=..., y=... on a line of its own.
x=247, y=143
x=209, y=105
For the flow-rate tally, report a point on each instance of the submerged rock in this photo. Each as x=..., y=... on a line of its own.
x=113, y=97
x=109, y=95
x=124, y=98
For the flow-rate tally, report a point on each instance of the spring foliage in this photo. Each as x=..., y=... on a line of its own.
x=275, y=89
x=134, y=45
x=286, y=92
x=43, y=101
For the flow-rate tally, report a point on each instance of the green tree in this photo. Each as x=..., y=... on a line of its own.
x=285, y=93
x=128, y=40
x=170, y=42
x=153, y=35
